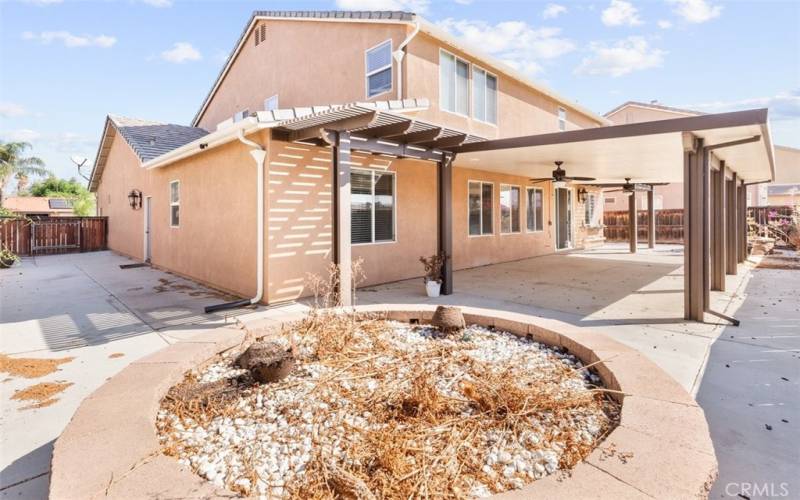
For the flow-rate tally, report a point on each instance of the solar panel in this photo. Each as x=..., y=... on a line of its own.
x=61, y=204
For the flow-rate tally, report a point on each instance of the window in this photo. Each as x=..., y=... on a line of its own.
x=535, y=214
x=174, y=203
x=610, y=200
x=372, y=206
x=379, y=69
x=480, y=208
x=484, y=95
x=453, y=83
x=509, y=209
x=562, y=119
x=271, y=103
x=590, y=209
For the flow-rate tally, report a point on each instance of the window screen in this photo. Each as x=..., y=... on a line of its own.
x=372, y=206
x=484, y=96
x=453, y=83
x=480, y=208
x=509, y=209
x=174, y=203
x=379, y=69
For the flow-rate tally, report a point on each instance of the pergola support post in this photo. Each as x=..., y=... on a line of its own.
x=633, y=228
x=342, y=253
x=651, y=219
x=742, y=221
x=718, y=257
x=732, y=229
x=694, y=224
x=445, y=226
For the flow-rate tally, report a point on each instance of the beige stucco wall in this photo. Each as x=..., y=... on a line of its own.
x=215, y=241
x=316, y=63
x=636, y=114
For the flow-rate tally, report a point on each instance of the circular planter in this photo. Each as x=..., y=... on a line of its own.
x=661, y=447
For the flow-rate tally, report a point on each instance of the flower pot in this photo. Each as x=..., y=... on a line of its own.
x=433, y=288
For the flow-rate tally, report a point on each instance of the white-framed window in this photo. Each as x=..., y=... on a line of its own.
x=379, y=69
x=453, y=83
x=174, y=203
x=271, y=103
x=509, y=209
x=590, y=210
x=372, y=206
x=562, y=119
x=480, y=205
x=535, y=209
x=484, y=95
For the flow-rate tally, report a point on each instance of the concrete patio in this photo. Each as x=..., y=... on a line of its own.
x=84, y=306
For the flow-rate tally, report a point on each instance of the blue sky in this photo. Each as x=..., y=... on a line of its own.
x=65, y=64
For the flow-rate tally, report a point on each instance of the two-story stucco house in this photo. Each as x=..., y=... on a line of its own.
x=185, y=197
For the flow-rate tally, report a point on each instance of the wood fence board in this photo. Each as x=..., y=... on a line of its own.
x=54, y=235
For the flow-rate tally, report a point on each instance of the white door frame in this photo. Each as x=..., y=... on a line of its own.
x=570, y=213
x=148, y=229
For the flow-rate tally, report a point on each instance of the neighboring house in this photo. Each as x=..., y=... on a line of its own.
x=778, y=192
x=288, y=75
x=36, y=206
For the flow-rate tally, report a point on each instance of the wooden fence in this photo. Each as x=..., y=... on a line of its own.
x=53, y=235
x=669, y=225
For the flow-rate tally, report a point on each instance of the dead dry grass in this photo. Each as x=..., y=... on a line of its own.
x=30, y=367
x=40, y=395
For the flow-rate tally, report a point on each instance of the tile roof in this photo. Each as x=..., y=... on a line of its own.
x=394, y=15
x=37, y=204
x=151, y=139
x=654, y=105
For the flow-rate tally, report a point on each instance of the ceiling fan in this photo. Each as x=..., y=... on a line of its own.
x=629, y=187
x=560, y=176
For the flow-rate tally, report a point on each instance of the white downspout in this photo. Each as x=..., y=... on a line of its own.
x=259, y=154
x=398, y=56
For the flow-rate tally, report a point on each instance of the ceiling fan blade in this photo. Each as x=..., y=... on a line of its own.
x=574, y=178
x=539, y=181
x=615, y=191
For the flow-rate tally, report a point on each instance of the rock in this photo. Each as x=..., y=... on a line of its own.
x=504, y=457
x=267, y=361
x=448, y=319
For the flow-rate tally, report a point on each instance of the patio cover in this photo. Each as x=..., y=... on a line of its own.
x=645, y=152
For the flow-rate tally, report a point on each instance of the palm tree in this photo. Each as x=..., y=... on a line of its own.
x=13, y=162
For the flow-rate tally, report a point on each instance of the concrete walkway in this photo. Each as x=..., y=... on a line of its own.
x=83, y=306
x=751, y=390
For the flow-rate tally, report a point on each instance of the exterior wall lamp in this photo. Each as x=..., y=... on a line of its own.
x=135, y=199
x=582, y=194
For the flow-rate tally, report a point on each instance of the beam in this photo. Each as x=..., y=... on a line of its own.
x=633, y=227
x=718, y=258
x=380, y=146
x=694, y=299
x=445, y=226
x=446, y=142
x=732, y=233
x=315, y=131
x=342, y=255
x=421, y=136
x=737, y=142
x=388, y=130
x=651, y=220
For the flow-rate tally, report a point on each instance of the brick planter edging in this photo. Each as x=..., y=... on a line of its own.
x=661, y=448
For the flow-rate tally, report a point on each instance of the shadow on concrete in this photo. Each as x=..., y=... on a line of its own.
x=25, y=469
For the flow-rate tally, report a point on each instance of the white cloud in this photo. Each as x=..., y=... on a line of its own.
x=158, y=3
x=12, y=109
x=782, y=106
x=43, y=2
x=623, y=57
x=70, y=40
x=553, y=10
x=20, y=135
x=514, y=42
x=181, y=52
x=696, y=11
x=620, y=13
x=463, y=2
x=664, y=24
x=407, y=5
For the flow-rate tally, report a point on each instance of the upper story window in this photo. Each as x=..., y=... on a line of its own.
x=372, y=196
x=484, y=95
x=379, y=69
x=480, y=208
x=271, y=103
x=509, y=209
x=174, y=203
x=535, y=214
x=453, y=83
x=562, y=119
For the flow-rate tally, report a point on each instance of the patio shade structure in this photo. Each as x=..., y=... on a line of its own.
x=715, y=156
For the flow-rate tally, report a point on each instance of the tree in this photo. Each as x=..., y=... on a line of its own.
x=83, y=202
x=13, y=162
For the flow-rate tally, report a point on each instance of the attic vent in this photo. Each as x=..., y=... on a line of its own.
x=260, y=34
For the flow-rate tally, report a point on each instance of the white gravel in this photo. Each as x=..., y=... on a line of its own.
x=276, y=428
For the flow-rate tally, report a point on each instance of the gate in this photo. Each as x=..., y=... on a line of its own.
x=55, y=236
x=52, y=235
